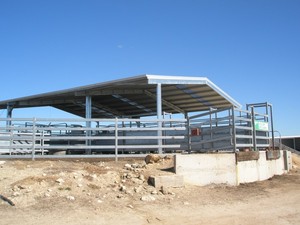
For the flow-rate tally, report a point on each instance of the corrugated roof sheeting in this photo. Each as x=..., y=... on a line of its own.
x=133, y=97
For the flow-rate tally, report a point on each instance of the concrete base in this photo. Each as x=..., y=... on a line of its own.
x=203, y=169
x=224, y=168
x=261, y=169
x=167, y=181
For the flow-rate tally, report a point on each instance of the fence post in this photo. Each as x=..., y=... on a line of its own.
x=233, y=129
x=33, y=138
x=253, y=127
x=159, y=117
x=189, y=138
x=11, y=135
x=116, y=139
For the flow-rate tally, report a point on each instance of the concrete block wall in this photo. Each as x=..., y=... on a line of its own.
x=221, y=168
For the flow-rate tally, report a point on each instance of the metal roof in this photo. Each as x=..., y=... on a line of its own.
x=133, y=97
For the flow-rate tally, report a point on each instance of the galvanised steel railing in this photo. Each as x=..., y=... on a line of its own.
x=43, y=137
x=228, y=129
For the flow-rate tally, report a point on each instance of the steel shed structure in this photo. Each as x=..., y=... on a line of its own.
x=132, y=97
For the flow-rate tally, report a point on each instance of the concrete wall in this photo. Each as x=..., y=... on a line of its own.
x=221, y=168
x=261, y=169
x=203, y=169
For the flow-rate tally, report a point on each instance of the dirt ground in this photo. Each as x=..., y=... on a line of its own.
x=108, y=192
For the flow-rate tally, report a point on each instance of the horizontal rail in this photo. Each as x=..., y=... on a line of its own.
x=243, y=136
x=100, y=156
x=243, y=128
x=66, y=138
x=42, y=135
x=215, y=140
x=61, y=147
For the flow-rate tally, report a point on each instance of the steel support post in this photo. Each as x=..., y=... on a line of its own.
x=88, y=115
x=272, y=127
x=253, y=128
x=159, y=117
x=33, y=138
x=116, y=139
x=233, y=129
x=9, y=110
x=189, y=139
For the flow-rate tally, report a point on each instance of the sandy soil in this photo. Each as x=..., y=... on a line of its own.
x=97, y=192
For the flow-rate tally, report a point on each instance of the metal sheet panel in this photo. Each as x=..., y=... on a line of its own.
x=133, y=97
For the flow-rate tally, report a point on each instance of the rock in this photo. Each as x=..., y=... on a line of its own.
x=21, y=187
x=94, y=176
x=42, y=183
x=127, y=166
x=99, y=201
x=130, y=206
x=128, y=192
x=60, y=181
x=71, y=198
x=152, y=158
x=137, y=181
x=123, y=188
x=147, y=198
x=168, y=157
x=16, y=194
x=164, y=190
x=16, y=188
x=135, y=165
x=120, y=196
x=2, y=162
x=154, y=192
x=141, y=177
x=138, y=189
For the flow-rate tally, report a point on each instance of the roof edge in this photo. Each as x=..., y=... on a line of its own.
x=166, y=79
x=155, y=79
x=224, y=94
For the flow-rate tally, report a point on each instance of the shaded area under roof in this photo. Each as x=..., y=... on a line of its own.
x=133, y=97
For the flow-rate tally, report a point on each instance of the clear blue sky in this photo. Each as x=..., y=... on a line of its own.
x=250, y=49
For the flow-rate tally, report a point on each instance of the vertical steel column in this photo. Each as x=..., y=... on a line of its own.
x=294, y=143
x=116, y=139
x=211, y=130
x=33, y=138
x=188, y=129
x=272, y=127
x=159, y=117
x=253, y=128
x=9, y=110
x=88, y=115
x=233, y=129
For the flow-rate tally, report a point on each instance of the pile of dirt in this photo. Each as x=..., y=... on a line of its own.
x=295, y=160
x=102, y=192
x=27, y=183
